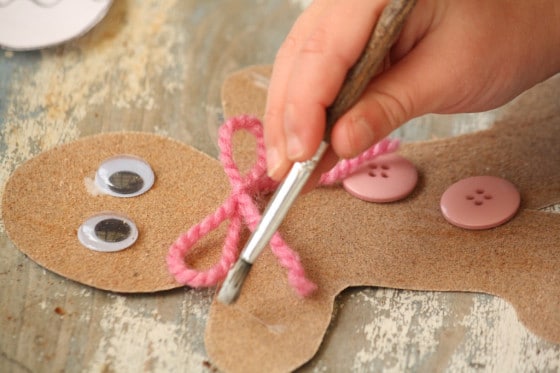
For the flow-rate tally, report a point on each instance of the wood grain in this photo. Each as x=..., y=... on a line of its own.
x=157, y=66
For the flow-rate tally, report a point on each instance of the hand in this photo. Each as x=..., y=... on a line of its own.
x=452, y=56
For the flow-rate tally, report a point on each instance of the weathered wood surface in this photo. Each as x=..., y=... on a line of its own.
x=157, y=66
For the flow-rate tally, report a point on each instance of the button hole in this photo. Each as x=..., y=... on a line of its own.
x=372, y=166
x=384, y=174
x=385, y=167
x=478, y=203
x=372, y=174
x=470, y=198
x=479, y=191
x=487, y=196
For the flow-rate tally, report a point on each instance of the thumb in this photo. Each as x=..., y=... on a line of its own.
x=416, y=85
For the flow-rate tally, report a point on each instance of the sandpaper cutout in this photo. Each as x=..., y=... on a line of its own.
x=342, y=241
x=346, y=242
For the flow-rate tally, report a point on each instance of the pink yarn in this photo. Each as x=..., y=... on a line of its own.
x=239, y=207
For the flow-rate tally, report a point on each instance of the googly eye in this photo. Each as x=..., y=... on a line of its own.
x=108, y=232
x=124, y=176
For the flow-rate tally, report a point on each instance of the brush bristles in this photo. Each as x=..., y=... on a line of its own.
x=231, y=287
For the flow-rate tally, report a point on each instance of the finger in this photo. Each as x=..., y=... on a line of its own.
x=322, y=64
x=277, y=162
x=313, y=77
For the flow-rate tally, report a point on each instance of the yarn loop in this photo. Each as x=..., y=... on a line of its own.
x=240, y=208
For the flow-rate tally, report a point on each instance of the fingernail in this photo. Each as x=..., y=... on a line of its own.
x=294, y=146
x=272, y=162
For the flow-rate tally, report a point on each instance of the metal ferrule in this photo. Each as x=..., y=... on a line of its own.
x=280, y=203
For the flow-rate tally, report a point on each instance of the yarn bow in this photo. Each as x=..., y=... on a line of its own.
x=240, y=207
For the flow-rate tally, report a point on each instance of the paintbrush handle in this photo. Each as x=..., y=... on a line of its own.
x=382, y=38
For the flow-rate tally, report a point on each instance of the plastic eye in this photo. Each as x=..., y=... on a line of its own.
x=108, y=232
x=124, y=176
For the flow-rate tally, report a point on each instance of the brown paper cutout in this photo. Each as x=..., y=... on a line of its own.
x=346, y=242
x=342, y=241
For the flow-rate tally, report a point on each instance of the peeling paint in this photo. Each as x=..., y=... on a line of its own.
x=138, y=339
x=420, y=311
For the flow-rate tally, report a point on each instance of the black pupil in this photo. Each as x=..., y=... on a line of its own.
x=112, y=230
x=125, y=182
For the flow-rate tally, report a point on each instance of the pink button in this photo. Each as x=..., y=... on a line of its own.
x=480, y=202
x=386, y=178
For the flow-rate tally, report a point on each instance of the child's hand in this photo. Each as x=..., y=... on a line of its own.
x=452, y=56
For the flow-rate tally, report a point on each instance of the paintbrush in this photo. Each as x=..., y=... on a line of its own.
x=382, y=38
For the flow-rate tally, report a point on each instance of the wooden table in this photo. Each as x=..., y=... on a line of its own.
x=158, y=66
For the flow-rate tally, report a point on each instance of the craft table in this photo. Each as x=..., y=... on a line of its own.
x=158, y=66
